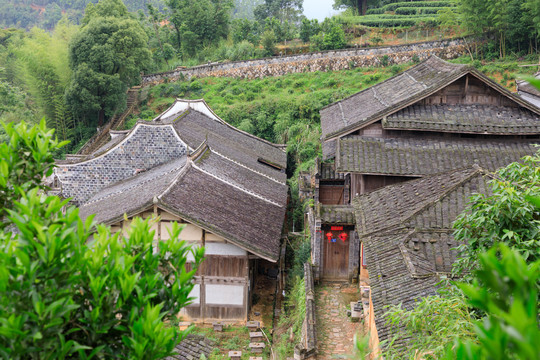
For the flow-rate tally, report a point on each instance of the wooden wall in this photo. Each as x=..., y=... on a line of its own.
x=361, y=184
x=468, y=90
x=224, y=280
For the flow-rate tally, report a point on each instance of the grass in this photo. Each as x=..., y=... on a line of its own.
x=232, y=338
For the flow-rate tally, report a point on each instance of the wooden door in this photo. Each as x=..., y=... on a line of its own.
x=336, y=254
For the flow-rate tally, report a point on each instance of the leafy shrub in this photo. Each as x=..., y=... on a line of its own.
x=65, y=294
x=412, y=10
x=268, y=41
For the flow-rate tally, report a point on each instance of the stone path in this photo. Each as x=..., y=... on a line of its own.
x=335, y=331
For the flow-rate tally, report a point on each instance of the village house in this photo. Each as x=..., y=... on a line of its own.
x=408, y=240
x=434, y=117
x=227, y=187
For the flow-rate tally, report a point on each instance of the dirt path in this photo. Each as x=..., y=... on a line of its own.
x=335, y=331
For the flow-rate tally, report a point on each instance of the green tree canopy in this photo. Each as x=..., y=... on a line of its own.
x=106, y=57
x=199, y=23
x=289, y=10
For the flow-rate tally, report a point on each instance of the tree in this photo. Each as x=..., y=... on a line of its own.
x=199, y=23
x=359, y=6
x=308, y=29
x=106, y=58
x=505, y=216
x=289, y=10
x=66, y=294
x=268, y=40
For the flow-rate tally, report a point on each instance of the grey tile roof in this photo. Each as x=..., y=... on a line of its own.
x=337, y=214
x=115, y=138
x=465, y=119
x=192, y=347
x=417, y=156
x=406, y=230
x=220, y=195
x=408, y=203
x=398, y=92
x=195, y=127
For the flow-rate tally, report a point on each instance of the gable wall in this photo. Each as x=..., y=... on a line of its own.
x=468, y=90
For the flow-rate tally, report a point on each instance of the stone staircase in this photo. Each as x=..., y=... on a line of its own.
x=101, y=137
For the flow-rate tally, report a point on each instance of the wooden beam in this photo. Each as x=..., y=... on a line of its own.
x=466, y=85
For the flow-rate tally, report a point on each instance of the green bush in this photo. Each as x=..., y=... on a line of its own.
x=268, y=41
x=65, y=293
x=411, y=10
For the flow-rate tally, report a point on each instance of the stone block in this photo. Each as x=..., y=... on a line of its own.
x=355, y=315
x=253, y=325
x=235, y=355
x=257, y=348
x=256, y=336
x=218, y=326
x=183, y=325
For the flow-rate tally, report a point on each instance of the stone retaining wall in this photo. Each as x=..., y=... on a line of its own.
x=308, y=346
x=318, y=61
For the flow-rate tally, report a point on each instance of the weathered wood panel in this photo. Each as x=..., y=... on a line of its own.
x=330, y=194
x=226, y=266
x=224, y=312
x=468, y=90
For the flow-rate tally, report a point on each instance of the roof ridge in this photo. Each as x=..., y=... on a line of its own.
x=183, y=171
x=396, y=107
x=446, y=192
x=360, y=211
x=242, y=131
x=246, y=167
x=234, y=185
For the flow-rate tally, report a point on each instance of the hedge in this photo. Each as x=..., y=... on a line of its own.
x=417, y=4
x=418, y=11
x=393, y=22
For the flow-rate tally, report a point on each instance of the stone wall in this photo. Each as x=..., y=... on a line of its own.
x=308, y=346
x=146, y=147
x=317, y=61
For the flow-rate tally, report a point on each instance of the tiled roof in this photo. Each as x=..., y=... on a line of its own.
x=460, y=118
x=337, y=214
x=417, y=156
x=220, y=195
x=380, y=99
x=195, y=127
x=398, y=92
x=192, y=347
x=406, y=230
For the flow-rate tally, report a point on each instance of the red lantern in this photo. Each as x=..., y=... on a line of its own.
x=343, y=236
x=329, y=236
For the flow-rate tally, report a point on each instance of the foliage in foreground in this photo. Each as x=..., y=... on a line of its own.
x=65, y=293
x=435, y=323
x=506, y=289
x=504, y=216
x=292, y=319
